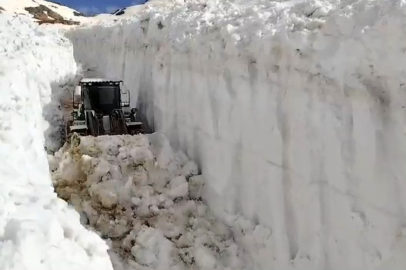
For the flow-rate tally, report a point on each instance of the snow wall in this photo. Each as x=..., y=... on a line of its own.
x=37, y=230
x=295, y=113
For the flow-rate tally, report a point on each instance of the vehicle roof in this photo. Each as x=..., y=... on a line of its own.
x=87, y=80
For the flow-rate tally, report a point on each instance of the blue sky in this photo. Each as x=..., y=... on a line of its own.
x=98, y=6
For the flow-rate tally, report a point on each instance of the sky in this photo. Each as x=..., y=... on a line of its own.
x=98, y=6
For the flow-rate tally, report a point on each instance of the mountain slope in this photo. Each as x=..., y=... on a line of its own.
x=43, y=11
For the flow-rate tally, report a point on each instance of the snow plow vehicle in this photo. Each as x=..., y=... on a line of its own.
x=101, y=110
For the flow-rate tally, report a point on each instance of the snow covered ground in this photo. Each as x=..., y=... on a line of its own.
x=37, y=230
x=293, y=110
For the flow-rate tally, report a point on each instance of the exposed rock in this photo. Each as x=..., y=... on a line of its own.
x=119, y=12
x=50, y=21
x=40, y=11
x=1, y=9
x=145, y=211
x=45, y=15
x=79, y=14
x=42, y=17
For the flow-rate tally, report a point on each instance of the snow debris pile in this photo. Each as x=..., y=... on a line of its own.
x=37, y=230
x=144, y=198
x=57, y=110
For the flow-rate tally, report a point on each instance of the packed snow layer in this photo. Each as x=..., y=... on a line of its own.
x=144, y=198
x=37, y=230
x=294, y=110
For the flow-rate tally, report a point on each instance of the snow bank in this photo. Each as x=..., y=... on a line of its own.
x=37, y=230
x=293, y=110
x=144, y=198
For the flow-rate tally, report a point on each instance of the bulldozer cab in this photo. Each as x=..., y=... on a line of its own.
x=101, y=97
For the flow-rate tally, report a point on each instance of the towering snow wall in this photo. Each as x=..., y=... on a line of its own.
x=37, y=230
x=295, y=112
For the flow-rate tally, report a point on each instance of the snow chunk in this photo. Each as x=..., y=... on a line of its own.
x=177, y=181
x=196, y=184
x=152, y=249
x=179, y=191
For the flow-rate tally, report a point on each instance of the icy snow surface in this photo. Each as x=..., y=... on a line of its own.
x=293, y=110
x=37, y=230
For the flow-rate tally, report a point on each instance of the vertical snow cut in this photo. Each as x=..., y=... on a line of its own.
x=37, y=230
x=293, y=110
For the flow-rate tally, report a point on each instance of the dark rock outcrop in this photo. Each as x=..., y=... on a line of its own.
x=119, y=12
x=50, y=21
x=45, y=15
x=79, y=14
x=40, y=11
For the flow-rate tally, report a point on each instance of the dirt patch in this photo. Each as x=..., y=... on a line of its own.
x=50, y=21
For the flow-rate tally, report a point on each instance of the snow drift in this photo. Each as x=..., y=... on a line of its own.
x=37, y=230
x=294, y=110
